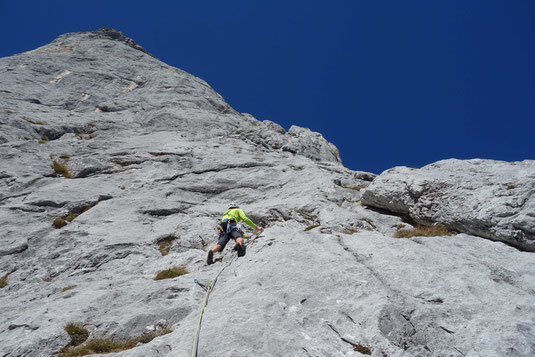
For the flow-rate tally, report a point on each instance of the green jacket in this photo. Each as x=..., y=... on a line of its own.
x=239, y=216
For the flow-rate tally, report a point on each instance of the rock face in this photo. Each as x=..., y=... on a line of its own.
x=130, y=152
x=488, y=198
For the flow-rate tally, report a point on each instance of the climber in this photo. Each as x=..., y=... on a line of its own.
x=229, y=228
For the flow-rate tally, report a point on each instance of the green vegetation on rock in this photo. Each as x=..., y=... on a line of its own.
x=362, y=349
x=3, y=280
x=62, y=169
x=59, y=222
x=77, y=333
x=164, y=244
x=110, y=345
x=311, y=227
x=171, y=273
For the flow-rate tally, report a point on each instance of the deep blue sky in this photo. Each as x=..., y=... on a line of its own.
x=388, y=82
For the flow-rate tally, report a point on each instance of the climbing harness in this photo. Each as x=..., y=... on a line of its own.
x=227, y=225
x=208, y=290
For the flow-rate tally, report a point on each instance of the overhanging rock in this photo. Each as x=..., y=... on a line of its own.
x=492, y=199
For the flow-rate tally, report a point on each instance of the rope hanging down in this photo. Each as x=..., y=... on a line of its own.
x=209, y=289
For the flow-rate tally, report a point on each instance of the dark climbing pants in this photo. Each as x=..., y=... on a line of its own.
x=229, y=231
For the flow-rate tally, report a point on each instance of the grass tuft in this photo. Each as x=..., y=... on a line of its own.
x=362, y=349
x=67, y=288
x=3, y=280
x=370, y=222
x=110, y=345
x=70, y=216
x=311, y=227
x=164, y=244
x=65, y=156
x=62, y=169
x=170, y=273
x=59, y=222
x=88, y=207
x=77, y=333
x=350, y=231
x=511, y=187
x=35, y=122
x=356, y=188
x=423, y=231
x=83, y=136
x=47, y=279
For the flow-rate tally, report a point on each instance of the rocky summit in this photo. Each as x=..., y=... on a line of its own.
x=116, y=169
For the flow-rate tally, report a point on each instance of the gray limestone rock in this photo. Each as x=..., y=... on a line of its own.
x=155, y=155
x=492, y=199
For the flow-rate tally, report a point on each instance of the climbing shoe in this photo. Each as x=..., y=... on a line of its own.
x=240, y=249
x=210, y=259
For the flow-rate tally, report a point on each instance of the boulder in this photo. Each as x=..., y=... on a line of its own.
x=491, y=199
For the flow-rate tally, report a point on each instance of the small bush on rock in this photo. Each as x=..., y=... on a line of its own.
x=171, y=273
x=423, y=231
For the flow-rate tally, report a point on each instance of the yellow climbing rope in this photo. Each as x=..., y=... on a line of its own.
x=209, y=289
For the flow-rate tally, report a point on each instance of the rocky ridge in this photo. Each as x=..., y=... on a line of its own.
x=153, y=152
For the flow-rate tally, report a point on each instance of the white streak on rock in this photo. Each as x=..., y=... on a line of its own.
x=60, y=76
x=133, y=85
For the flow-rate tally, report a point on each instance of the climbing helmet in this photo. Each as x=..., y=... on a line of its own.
x=233, y=205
